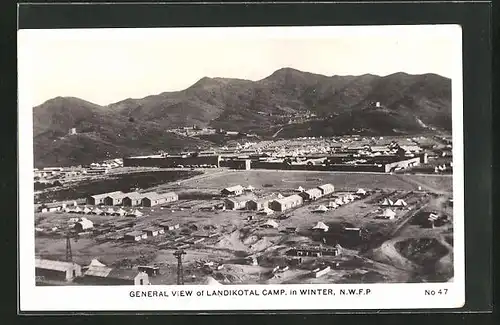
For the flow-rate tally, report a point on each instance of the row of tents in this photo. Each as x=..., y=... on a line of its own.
x=108, y=212
x=336, y=203
x=399, y=203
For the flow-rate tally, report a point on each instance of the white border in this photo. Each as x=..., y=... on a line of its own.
x=109, y=298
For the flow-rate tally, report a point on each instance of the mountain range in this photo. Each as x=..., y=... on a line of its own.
x=288, y=103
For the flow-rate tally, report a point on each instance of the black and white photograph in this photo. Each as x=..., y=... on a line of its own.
x=202, y=164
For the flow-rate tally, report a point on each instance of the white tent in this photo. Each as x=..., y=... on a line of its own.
x=321, y=208
x=389, y=214
x=86, y=210
x=135, y=213
x=339, y=201
x=346, y=199
x=321, y=226
x=280, y=196
x=351, y=197
x=332, y=205
x=387, y=202
x=95, y=262
x=266, y=211
x=69, y=210
x=85, y=224
x=271, y=224
x=300, y=189
x=211, y=281
x=97, y=211
x=361, y=192
x=110, y=211
x=400, y=203
x=77, y=210
x=120, y=212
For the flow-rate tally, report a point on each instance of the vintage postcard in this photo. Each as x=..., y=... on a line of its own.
x=256, y=168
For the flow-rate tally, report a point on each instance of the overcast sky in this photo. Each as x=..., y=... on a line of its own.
x=108, y=65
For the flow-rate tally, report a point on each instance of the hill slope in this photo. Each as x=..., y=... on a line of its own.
x=284, y=100
x=257, y=105
x=101, y=134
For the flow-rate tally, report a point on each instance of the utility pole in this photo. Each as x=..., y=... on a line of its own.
x=69, y=254
x=180, y=276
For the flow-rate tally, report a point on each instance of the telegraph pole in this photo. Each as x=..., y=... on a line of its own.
x=69, y=254
x=180, y=276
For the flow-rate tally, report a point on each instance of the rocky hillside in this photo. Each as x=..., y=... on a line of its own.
x=293, y=102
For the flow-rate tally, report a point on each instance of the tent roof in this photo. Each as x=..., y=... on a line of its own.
x=321, y=208
x=389, y=212
x=95, y=262
x=271, y=223
x=320, y=225
x=387, y=202
x=400, y=202
x=85, y=223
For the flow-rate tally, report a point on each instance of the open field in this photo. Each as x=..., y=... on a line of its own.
x=114, y=182
x=290, y=180
x=391, y=250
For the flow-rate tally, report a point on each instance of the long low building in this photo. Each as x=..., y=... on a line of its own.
x=152, y=199
x=238, y=202
x=132, y=198
x=57, y=270
x=286, y=203
x=98, y=199
x=326, y=189
x=260, y=203
x=311, y=194
x=114, y=199
x=172, y=161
